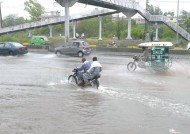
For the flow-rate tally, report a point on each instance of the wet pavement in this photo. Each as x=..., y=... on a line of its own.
x=35, y=97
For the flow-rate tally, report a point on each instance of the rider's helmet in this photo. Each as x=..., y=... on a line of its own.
x=83, y=59
x=94, y=59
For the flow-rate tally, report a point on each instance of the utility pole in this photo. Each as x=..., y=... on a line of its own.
x=145, y=19
x=177, y=21
x=0, y=15
x=118, y=28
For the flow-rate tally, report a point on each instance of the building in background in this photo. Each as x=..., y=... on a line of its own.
x=139, y=20
x=49, y=15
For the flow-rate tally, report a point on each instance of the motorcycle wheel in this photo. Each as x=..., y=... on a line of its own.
x=131, y=66
x=72, y=79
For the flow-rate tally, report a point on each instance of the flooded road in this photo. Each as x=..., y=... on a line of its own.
x=35, y=97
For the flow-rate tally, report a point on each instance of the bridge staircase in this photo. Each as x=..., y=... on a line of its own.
x=124, y=5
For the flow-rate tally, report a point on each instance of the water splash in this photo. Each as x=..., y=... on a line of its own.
x=172, y=131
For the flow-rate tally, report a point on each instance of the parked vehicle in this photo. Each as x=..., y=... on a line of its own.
x=12, y=48
x=188, y=46
x=79, y=48
x=39, y=40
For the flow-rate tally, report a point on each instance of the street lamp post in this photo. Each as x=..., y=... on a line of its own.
x=177, y=20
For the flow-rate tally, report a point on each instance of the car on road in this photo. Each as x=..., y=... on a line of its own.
x=188, y=46
x=12, y=48
x=39, y=40
x=78, y=48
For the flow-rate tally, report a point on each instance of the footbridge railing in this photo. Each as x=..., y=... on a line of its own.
x=56, y=20
x=134, y=5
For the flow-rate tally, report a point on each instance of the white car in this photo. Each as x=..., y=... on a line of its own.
x=188, y=46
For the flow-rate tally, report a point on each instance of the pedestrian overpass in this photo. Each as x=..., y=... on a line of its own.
x=129, y=8
x=56, y=20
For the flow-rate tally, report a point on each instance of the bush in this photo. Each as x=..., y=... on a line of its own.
x=6, y=38
x=38, y=46
x=56, y=40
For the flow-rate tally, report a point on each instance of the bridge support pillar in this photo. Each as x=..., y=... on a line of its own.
x=74, y=29
x=29, y=32
x=67, y=4
x=66, y=20
x=157, y=26
x=129, y=29
x=129, y=14
x=50, y=31
x=100, y=27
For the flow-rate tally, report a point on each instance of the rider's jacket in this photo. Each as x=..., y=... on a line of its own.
x=85, y=66
x=95, y=69
x=145, y=55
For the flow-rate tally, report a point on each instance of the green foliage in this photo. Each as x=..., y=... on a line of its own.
x=22, y=37
x=38, y=46
x=168, y=33
x=184, y=15
x=187, y=24
x=41, y=31
x=185, y=20
x=58, y=29
x=154, y=10
x=5, y=38
x=108, y=26
x=56, y=40
x=88, y=27
x=124, y=34
x=34, y=9
x=121, y=25
x=169, y=13
x=137, y=33
x=12, y=20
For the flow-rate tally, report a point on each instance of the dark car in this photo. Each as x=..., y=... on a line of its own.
x=12, y=48
x=79, y=48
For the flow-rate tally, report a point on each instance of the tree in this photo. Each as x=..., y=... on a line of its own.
x=34, y=9
x=137, y=33
x=154, y=10
x=169, y=13
x=12, y=20
x=184, y=15
x=185, y=20
x=168, y=33
x=187, y=24
x=41, y=31
x=108, y=26
x=89, y=27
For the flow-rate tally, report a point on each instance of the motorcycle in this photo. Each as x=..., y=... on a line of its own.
x=138, y=61
x=73, y=79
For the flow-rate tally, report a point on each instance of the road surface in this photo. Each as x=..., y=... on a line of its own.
x=35, y=97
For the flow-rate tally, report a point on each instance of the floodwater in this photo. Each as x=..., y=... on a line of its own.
x=35, y=97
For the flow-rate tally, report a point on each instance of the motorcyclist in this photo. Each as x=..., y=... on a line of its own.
x=145, y=54
x=85, y=66
x=94, y=71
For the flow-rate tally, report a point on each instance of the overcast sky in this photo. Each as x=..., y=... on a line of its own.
x=17, y=7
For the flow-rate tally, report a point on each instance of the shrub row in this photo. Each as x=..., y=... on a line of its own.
x=38, y=46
